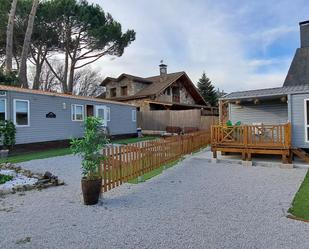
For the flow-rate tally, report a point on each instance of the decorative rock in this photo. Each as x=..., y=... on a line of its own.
x=48, y=175
x=27, y=180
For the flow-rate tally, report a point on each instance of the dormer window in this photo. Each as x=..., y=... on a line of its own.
x=168, y=91
x=124, y=91
x=113, y=92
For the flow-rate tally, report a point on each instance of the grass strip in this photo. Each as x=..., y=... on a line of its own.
x=134, y=140
x=155, y=172
x=61, y=151
x=36, y=155
x=300, y=204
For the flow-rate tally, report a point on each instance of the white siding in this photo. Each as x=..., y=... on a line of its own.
x=62, y=127
x=298, y=120
x=267, y=113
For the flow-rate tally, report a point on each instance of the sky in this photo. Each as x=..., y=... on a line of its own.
x=240, y=44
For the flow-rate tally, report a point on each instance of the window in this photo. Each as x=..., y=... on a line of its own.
x=21, y=112
x=124, y=91
x=77, y=112
x=113, y=92
x=133, y=115
x=108, y=114
x=3, y=109
x=168, y=91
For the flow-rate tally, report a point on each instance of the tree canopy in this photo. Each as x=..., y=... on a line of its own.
x=70, y=32
x=207, y=90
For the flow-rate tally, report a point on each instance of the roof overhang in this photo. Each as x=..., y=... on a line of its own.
x=256, y=99
x=124, y=75
x=191, y=89
x=177, y=104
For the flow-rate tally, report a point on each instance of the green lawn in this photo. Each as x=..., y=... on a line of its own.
x=133, y=140
x=300, y=204
x=155, y=172
x=36, y=155
x=61, y=152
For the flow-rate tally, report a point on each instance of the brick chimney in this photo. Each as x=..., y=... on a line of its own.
x=163, y=68
x=304, y=34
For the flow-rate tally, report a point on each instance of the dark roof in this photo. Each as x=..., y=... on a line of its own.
x=124, y=75
x=26, y=90
x=299, y=70
x=157, y=84
x=268, y=92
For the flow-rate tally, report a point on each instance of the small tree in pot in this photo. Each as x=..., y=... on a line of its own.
x=89, y=148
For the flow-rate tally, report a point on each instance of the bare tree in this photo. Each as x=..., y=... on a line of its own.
x=22, y=75
x=86, y=82
x=9, y=38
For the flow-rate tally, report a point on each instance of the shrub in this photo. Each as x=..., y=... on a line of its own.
x=7, y=134
x=5, y=178
x=90, y=146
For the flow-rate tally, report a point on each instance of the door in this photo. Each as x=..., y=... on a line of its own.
x=89, y=110
x=101, y=112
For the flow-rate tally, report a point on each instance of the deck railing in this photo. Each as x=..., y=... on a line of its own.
x=254, y=136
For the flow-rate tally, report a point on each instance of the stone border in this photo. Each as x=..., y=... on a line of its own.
x=253, y=163
x=292, y=217
x=45, y=180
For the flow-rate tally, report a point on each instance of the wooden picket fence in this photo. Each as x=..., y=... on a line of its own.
x=127, y=162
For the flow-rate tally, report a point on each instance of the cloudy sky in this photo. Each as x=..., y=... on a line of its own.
x=240, y=44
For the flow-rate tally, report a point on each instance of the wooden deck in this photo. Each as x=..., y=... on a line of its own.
x=253, y=139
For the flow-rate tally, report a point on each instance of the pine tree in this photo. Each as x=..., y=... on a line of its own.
x=207, y=90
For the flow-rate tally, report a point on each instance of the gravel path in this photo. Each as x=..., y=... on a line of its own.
x=193, y=205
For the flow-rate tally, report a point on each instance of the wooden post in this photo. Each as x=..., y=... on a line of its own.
x=284, y=159
x=249, y=158
x=220, y=112
x=214, y=154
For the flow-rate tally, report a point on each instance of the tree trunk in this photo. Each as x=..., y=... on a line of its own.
x=22, y=75
x=39, y=62
x=65, y=73
x=71, y=78
x=9, y=38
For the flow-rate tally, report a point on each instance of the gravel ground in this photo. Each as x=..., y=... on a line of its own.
x=192, y=205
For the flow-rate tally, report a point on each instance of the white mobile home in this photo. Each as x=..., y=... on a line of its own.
x=42, y=116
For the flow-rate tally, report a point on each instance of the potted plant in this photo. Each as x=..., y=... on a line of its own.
x=8, y=135
x=89, y=148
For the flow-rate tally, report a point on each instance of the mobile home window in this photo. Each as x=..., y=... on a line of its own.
x=77, y=112
x=2, y=109
x=21, y=112
x=134, y=115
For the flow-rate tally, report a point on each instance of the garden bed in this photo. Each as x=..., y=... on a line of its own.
x=14, y=179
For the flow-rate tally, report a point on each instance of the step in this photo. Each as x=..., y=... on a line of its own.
x=301, y=154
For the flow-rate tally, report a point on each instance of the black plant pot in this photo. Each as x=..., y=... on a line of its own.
x=91, y=190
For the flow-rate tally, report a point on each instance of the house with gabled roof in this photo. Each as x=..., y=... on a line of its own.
x=272, y=120
x=166, y=91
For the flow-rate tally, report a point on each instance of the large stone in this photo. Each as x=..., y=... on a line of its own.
x=246, y=163
x=286, y=166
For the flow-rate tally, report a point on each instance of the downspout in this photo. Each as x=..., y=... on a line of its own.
x=289, y=108
x=290, y=115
